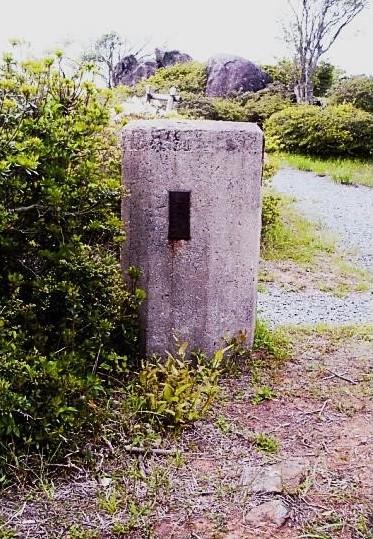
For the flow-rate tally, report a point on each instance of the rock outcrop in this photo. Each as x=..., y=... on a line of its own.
x=130, y=71
x=227, y=74
x=170, y=58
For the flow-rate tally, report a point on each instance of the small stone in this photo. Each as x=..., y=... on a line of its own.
x=293, y=472
x=105, y=481
x=275, y=478
x=262, y=479
x=272, y=513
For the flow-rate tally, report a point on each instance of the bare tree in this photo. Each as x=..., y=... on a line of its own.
x=312, y=30
x=106, y=52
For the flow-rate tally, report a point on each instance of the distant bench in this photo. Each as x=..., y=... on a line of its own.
x=171, y=98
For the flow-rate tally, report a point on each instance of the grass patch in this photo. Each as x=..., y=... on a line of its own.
x=294, y=238
x=335, y=333
x=353, y=171
x=273, y=343
x=271, y=348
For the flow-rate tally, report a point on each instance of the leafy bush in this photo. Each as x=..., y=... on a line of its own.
x=188, y=78
x=229, y=110
x=177, y=390
x=212, y=108
x=197, y=107
x=262, y=105
x=285, y=72
x=323, y=78
x=67, y=323
x=270, y=167
x=357, y=91
x=270, y=214
x=339, y=130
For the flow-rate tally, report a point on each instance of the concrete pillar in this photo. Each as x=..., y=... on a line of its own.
x=193, y=228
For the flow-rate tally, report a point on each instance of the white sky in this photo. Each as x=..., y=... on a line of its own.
x=249, y=28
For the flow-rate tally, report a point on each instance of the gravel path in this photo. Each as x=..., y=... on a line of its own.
x=345, y=211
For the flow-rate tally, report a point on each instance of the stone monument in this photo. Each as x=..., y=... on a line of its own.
x=193, y=228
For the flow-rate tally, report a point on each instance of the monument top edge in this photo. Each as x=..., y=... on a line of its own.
x=191, y=125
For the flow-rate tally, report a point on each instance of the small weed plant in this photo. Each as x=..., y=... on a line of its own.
x=272, y=343
x=261, y=394
x=177, y=390
x=265, y=443
x=222, y=424
x=292, y=237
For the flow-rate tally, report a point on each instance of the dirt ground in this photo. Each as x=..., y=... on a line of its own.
x=319, y=409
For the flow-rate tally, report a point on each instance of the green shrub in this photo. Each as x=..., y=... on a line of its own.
x=68, y=326
x=188, y=78
x=285, y=72
x=197, y=107
x=178, y=390
x=339, y=130
x=270, y=214
x=270, y=167
x=272, y=343
x=356, y=90
x=212, y=108
x=229, y=110
x=323, y=78
x=260, y=108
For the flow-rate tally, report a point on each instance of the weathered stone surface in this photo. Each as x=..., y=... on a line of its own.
x=227, y=74
x=293, y=472
x=205, y=287
x=261, y=479
x=169, y=58
x=130, y=71
x=272, y=513
x=283, y=476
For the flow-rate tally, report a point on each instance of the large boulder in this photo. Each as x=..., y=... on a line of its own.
x=130, y=71
x=170, y=58
x=227, y=74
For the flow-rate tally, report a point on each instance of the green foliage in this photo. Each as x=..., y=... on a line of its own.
x=197, y=107
x=6, y=532
x=263, y=104
x=356, y=90
x=177, y=390
x=188, y=78
x=261, y=394
x=270, y=214
x=265, y=443
x=105, y=52
x=229, y=110
x=270, y=168
x=353, y=171
x=222, y=424
x=294, y=238
x=212, y=108
x=335, y=130
x=270, y=342
x=270, y=200
x=323, y=78
x=67, y=323
x=283, y=72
